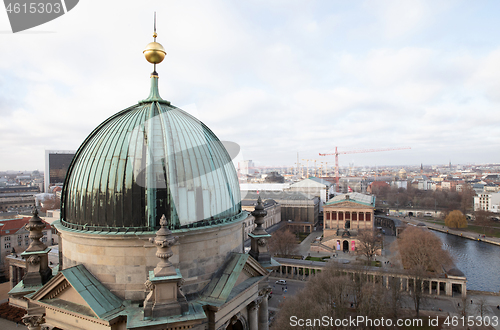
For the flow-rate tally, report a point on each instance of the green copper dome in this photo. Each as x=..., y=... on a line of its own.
x=145, y=161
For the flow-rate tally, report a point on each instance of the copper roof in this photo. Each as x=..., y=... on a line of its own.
x=150, y=159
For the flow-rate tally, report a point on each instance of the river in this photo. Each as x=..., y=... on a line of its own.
x=479, y=261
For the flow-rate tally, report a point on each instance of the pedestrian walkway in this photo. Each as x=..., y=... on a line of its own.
x=458, y=232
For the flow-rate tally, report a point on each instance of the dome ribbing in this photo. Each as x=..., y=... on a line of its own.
x=150, y=159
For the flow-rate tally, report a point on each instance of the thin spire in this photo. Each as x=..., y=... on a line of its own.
x=154, y=53
x=154, y=39
x=154, y=34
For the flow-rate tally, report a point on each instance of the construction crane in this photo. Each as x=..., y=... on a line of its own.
x=307, y=167
x=337, y=153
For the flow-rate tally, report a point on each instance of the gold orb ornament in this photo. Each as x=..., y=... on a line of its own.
x=154, y=52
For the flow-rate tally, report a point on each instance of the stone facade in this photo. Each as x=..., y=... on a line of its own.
x=273, y=216
x=15, y=237
x=299, y=210
x=344, y=218
x=122, y=261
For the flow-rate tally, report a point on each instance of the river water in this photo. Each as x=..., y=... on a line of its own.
x=479, y=261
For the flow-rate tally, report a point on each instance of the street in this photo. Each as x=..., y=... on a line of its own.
x=279, y=295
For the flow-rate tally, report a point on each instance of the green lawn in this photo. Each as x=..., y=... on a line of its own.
x=301, y=236
x=492, y=230
x=435, y=221
x=488, y=231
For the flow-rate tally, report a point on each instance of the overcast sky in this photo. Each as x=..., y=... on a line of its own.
x=276, y=77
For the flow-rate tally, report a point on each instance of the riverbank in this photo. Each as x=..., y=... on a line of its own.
x=482, y=293
x=457, y=232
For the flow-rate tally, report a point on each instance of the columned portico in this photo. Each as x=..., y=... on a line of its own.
x=264, y=310
x=253, y=320
x=387, y=277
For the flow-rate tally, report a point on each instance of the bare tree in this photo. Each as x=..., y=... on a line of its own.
x=467, y=195
x=483, y=218
x=480, y=307
x=51, y=202
x=301, y=306
x=421, y=253
x=283, y=242
x=369, y=244
x=374, y=301
x=464, y=307
x=395, y=298
x=325, y=295
x=333, y=294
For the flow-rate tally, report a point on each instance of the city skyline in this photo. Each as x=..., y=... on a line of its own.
x=277, y=78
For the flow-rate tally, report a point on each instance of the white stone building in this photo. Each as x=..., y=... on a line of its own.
x=487, y=202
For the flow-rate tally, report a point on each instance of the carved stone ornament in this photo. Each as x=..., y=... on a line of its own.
x=259, y=213
x=264, y=291
x=35, y=227
x=163, y=241
x=34, y=260
x=261, y=242
x=149, y=285
x=33, y=320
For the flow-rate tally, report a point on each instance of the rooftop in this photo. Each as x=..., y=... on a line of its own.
x=12, y=226
x=354, y=197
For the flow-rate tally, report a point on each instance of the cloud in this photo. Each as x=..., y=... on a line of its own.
x=276, y=78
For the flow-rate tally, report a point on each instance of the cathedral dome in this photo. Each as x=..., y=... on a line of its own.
x=145, y=161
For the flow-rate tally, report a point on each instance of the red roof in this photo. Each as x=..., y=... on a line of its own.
x=379, y=184
x=12, y=226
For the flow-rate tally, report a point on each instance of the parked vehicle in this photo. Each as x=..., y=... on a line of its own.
x=282, y=282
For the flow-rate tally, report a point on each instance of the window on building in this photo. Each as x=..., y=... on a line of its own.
x=19, y=237
x=19, y=243
x=26, y=241
x=7, y=245
x=6, y=239
x=44, y=239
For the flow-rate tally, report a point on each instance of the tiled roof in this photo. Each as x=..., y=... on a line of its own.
x=9, y=227
x=379, y=184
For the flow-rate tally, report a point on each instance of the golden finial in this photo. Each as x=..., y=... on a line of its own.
x=154, y=52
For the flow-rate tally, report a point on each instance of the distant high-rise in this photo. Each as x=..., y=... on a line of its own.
x=56, y=166
x=246, y=167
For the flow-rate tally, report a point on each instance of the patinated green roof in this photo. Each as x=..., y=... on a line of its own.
x=368, y=200
x=100, y=300
x=135, y=318
x=219, y=288
x=145, y=161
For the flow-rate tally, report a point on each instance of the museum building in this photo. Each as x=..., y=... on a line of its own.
x=346, y=215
